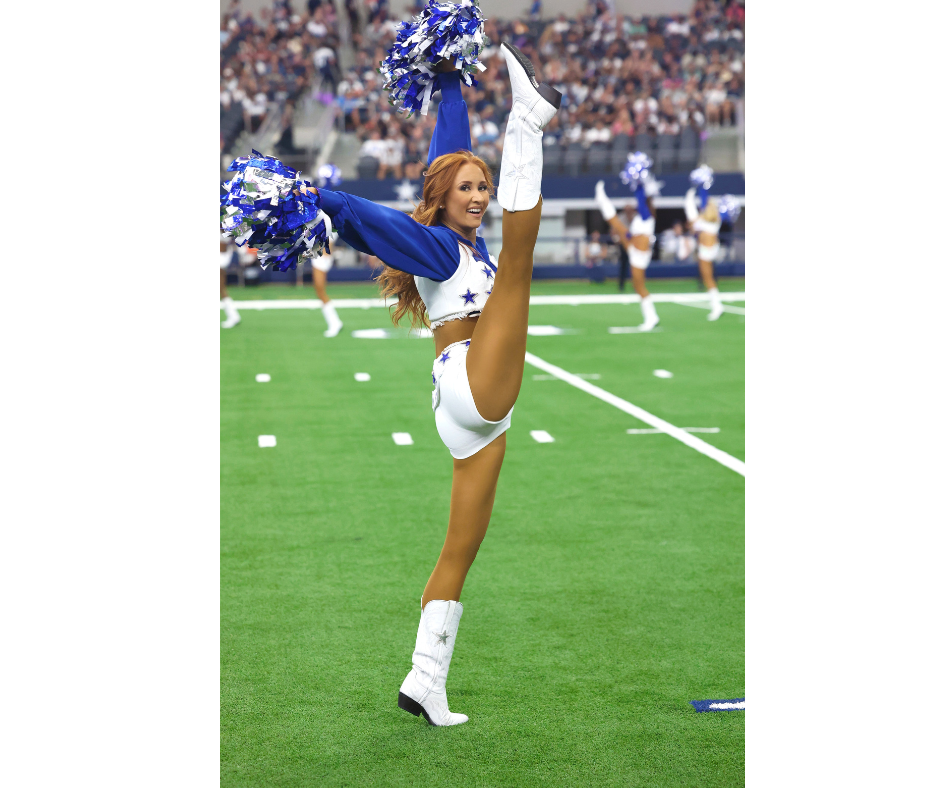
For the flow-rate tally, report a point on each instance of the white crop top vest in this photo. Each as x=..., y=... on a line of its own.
x=463, y=295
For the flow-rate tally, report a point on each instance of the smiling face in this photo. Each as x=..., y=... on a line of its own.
x=466, y=201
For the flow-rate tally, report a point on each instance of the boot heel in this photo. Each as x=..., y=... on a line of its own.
x=409, y=704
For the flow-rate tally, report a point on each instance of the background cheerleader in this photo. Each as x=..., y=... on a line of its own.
x=328, y=177
x=705, y=224
x=638, y=242
x=232, y=318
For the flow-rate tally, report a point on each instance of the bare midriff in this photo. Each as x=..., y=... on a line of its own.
x=707, y=239
x=454, y=331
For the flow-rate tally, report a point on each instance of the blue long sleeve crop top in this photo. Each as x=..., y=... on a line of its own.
x=642, y=206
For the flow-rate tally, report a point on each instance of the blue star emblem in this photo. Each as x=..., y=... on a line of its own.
x=444, y=356
x=489, y=291
x=468, y=297
x=488, y=272
x=433, y=380
x=467, y=343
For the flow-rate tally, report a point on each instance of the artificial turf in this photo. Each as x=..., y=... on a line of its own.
x=608, y=593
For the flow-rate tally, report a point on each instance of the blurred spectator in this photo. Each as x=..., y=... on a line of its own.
x=594, y=256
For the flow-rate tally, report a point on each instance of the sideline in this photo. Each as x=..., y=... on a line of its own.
x=628, y=407
x=537, y=300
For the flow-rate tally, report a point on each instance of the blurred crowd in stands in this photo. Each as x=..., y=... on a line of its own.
x=629, y=83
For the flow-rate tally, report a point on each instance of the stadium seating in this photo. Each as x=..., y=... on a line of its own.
x=367, y=167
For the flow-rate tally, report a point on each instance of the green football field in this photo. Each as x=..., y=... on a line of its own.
x=608, y=593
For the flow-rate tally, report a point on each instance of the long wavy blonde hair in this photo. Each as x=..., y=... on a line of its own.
x=437, y=182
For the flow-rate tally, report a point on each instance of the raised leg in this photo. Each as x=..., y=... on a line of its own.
x=496, y=358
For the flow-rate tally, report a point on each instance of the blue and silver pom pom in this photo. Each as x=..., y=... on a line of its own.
x=440, y=32
x=702, y=176
x=329, y=176
x=636, y=170
x=259, y=208
x=729, y=208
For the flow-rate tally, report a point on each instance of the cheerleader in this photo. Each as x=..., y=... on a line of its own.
x=705, y=225
x=638, y=241
x=328, y=177
x=232, y=318
x=444, y=277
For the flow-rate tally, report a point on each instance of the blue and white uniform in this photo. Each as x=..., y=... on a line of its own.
x=699, y=225
x=643, y=223
x=453, y=276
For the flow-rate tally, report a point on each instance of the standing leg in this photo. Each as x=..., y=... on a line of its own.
x=707, y=271
x=232, y=318
x=333, y=323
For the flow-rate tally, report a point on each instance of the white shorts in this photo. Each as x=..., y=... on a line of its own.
x=708, y=253
x=459, y=423
x=639, y=259
x=225, y=261
x=324, y=263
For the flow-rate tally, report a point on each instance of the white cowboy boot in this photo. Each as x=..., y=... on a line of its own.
x=717, y=308
x=650, y=318
x=603, y=202
x=533, y=106
x=424, y=691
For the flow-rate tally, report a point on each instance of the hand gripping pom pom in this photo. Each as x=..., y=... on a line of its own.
x=702, y=176
x=259, y=208
x=729, y=208
x=440, y=32
x=636, y=170
x=329, y=176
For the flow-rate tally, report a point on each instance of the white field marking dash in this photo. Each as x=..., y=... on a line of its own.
x=660, y=432
x=662, y=373
x=263, y=377
x=631, y=330
x=372, y=333
x=266, y=441
x=547, y=331
x=539, y=300
x=645, y=416
x=402, y=438
x=582, y=375
x=738, y=705
x=362, y=377
x=540, y=436
x=734, y=310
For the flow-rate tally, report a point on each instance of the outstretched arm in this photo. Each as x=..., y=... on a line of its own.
x=452, y=132
x=702, y=197
x=392, y=236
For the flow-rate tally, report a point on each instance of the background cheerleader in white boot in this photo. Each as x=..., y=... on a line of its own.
x=706, y=215
x=444, y=278
x=638, y=240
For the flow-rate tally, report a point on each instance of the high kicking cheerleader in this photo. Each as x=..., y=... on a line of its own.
x=444, y=277
x=638, y=240
x=232, y=318
x=705, y=225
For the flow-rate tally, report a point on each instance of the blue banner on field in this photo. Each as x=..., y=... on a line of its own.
x=735, y=704
x=581, y=187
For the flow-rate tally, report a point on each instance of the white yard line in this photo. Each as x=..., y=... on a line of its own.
x=543, y=300
x=628, y=407
x=734, y=310
x=660, y=432
x=540, y=436
x=402, y=439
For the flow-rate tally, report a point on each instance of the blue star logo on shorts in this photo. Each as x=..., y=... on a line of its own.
x=433, y=380
x=468, y=297
x=444, y=356
x=467, y=343
x=489, y=291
